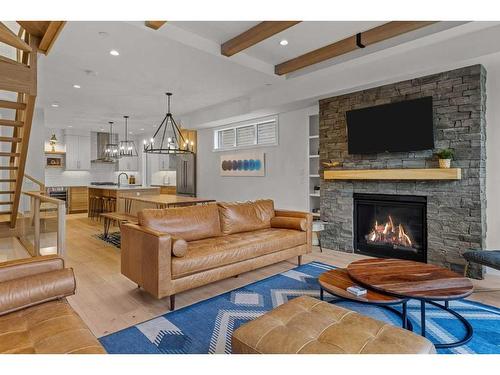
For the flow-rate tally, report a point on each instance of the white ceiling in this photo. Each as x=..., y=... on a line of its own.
x=184, y=57
x=134, y=82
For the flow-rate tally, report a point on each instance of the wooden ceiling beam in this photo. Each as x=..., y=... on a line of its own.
x=155, y=25
x=349, y=44
x=254, y=35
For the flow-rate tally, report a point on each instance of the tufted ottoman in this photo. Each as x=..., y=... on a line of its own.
x=306, y=325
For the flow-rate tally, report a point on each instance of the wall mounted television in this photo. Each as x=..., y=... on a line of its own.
x=396, y=127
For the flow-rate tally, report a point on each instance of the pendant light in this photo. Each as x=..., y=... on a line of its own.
x=111, y=150
x=127, y=148
x=168, y=138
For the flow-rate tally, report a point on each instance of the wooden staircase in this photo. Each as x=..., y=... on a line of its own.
x=18, y=80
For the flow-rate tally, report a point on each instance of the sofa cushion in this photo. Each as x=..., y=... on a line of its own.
x=189, y=223
x=52, y=327
x=245, y=217
x=216, y=252
x=179, y=247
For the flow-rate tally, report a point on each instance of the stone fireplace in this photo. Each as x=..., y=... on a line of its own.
x=455, y=210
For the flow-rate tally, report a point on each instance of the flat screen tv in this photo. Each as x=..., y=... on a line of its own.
x=395, y=127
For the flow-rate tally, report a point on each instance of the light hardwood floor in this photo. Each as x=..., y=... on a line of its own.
x=109, y=302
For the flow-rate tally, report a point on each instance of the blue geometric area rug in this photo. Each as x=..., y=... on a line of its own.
x=207, y=326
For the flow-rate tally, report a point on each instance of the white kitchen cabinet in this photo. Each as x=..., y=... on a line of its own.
x=128, y=164
x=77, y=152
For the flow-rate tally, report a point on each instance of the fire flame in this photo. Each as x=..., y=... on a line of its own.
x=390, y=234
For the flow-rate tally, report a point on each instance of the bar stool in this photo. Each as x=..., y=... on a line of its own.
x=96, y=206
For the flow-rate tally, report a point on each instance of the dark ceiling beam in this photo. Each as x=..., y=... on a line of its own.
x=254, y=35
x=349, y=44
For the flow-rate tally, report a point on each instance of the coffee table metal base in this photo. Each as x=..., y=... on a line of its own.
x=403, y=314
x=446, y=307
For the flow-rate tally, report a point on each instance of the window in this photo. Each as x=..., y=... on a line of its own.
x=247, y=134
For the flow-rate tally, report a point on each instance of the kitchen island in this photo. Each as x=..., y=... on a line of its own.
x=110, y=195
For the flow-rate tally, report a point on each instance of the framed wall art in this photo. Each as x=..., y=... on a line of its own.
x=243, y=164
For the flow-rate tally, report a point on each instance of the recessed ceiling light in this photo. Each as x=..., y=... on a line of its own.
x=70, y=126
x=114, y=52
x=142, y=129
x=284, y=42
x=55, y=105
x=76, y=86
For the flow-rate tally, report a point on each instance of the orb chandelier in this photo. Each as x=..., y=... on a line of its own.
x=127, y=148
x=111, y=149
x=168, y=138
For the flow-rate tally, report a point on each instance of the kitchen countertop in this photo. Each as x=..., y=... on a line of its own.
x=163, y=185
x=123, y=187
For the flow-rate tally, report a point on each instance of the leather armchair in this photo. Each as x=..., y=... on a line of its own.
x=34, y=314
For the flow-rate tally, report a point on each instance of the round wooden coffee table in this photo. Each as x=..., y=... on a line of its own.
x=427, y=283
x=337, y=281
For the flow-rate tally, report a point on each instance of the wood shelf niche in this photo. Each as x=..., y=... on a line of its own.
x=394, y=174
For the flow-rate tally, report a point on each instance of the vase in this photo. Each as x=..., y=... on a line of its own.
x=444, y=163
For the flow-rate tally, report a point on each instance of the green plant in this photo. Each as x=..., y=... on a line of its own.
x=446, y=153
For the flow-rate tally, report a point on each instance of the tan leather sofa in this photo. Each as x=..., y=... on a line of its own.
x=34, y=315
x=306, y=325
x=177, y=249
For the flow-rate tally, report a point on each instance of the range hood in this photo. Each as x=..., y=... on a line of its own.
x=98, y=143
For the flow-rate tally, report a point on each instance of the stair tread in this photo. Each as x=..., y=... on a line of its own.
x=7, y=191
x=2, y=168
x=10, y=154
x=14, y=123
x=12, y=105
x=7, y=180
x=6, y=203
x=10, y=139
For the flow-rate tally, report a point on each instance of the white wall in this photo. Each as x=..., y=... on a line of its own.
x=492, y=65
x=286, y=179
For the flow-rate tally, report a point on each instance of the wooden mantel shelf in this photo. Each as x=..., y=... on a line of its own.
x=394, y=174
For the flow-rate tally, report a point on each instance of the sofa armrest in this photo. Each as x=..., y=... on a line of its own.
x=19, y=268
x=20, y=293
x=302, y=215
x=284, y=222
x=146, y=257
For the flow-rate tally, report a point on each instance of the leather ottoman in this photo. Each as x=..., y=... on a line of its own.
x=306, y=325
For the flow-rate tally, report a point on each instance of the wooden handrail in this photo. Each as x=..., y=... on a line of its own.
x=34, y=180
x=43, y=197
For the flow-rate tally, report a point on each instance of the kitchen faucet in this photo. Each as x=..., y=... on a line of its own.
x=126, y=175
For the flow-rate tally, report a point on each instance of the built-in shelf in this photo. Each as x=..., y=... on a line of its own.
x=314, y=195
x=314, y=175
x=55, y=153
x=313, y=156
x=316, y=214
x=314, y=137
x=395, y=174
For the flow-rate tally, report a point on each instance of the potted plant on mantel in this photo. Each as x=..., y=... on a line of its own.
x=445, y=155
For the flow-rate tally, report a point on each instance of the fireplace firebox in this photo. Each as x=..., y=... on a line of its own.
x=391, y=226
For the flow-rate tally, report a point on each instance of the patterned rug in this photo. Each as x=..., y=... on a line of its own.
x=113, y=238
x=206, y=327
